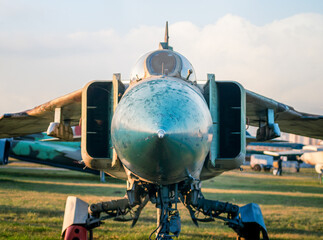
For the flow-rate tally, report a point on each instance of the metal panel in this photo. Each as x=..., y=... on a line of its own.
x=118, y=90
x=99, y=100
x=231, y=119
x=213, y=105
x=226, y=101
x=99, y=110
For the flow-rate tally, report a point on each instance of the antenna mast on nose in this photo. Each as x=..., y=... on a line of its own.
x=166, y=33
x=165, y=44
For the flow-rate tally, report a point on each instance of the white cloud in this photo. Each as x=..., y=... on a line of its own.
x=282, y=60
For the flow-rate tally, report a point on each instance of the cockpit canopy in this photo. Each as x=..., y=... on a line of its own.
x=163, y=63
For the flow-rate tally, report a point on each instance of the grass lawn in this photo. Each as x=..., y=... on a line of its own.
x=32, y=203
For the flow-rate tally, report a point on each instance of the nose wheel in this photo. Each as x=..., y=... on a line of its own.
x=168, y=219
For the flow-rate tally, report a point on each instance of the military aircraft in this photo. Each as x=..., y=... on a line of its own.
x=164, y=133
x=41, y=149
x=309, y=154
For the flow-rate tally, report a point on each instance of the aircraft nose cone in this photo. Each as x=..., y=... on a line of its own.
x=162, y=130
x=161, y=133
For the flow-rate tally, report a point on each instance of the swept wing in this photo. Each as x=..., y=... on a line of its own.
x=288, y=119
x=37, y=119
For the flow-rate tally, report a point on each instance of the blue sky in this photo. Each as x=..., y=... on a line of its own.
x=50, y=48
x=75, y=15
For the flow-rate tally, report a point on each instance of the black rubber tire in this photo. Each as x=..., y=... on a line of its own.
x=257, y=168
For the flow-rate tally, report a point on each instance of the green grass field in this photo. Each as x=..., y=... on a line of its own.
x=32, y=204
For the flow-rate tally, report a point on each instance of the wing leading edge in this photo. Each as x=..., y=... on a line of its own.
x=37, y=119
x=288, y=119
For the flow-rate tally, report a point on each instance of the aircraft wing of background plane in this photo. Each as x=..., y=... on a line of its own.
x=307, y=155
x=295, y=152
x=37, y=119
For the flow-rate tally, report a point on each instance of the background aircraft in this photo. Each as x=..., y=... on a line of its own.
x=42, y=149
x=39, y=148
x=312, y=155
x=292, y=152
x=164, y=134
x=255, y=149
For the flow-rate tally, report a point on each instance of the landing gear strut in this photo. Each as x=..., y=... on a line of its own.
x=246, y=221
x=168, y=219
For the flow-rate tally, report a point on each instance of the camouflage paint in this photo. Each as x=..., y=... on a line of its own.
x=59, y=154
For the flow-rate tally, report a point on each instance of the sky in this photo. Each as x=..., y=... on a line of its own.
x=50, y=48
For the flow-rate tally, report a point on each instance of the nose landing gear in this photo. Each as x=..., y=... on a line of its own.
x=247, y=221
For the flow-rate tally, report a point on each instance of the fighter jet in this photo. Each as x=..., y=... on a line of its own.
x=164, y=133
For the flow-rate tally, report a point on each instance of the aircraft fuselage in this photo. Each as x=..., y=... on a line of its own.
x=162, y=130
